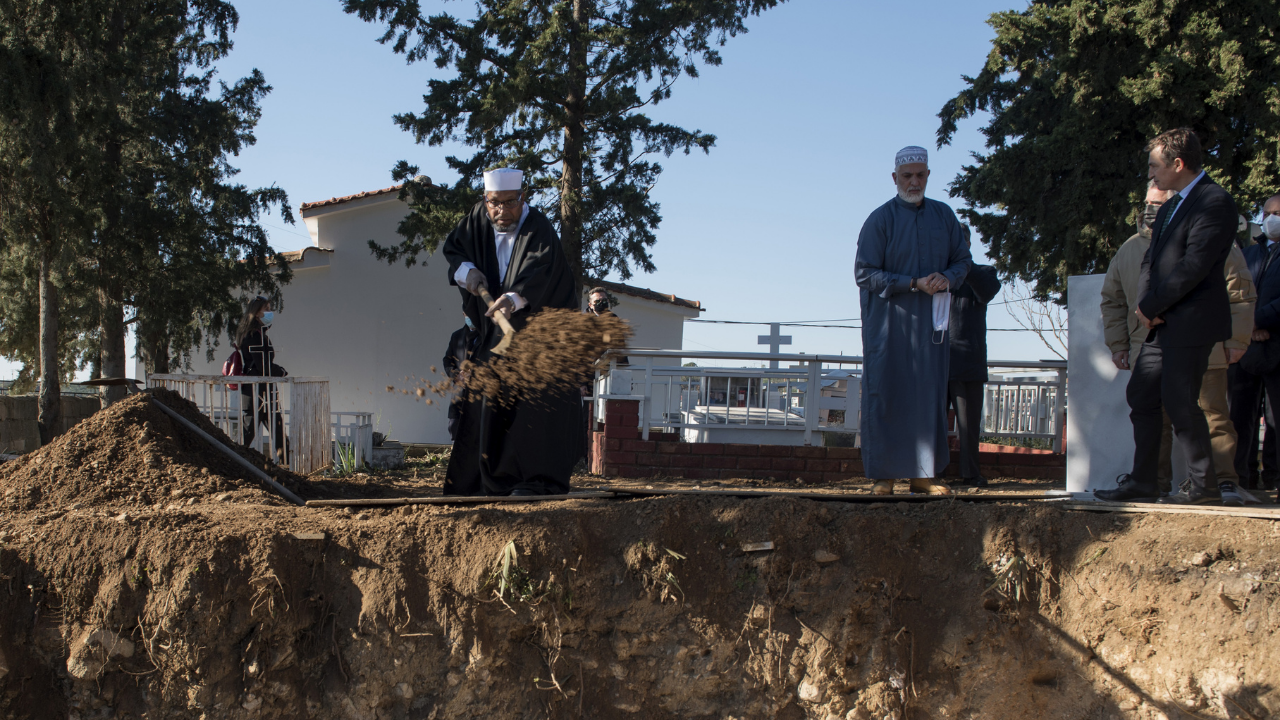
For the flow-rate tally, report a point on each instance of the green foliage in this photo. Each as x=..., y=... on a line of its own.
x=114, y=147
x=1075, y=88
x=555, y=88
x=345, y=459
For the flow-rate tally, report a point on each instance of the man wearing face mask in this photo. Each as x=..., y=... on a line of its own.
x=910, y=254
x=1124, y=336
x=509, y=250
x=1246, y=387
x=598, y=305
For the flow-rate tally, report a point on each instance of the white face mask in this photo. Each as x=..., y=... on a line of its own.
x=1271, y=226
x=941, y=314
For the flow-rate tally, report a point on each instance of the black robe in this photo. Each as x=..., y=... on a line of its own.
x=530, y=444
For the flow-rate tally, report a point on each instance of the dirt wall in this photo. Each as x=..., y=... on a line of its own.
x=636, y=609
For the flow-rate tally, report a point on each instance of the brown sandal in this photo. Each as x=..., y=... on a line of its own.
x=929, y=487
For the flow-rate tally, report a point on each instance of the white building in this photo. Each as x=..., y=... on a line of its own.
x=367, y=325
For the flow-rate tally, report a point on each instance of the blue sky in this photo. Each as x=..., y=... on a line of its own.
x=809, y=108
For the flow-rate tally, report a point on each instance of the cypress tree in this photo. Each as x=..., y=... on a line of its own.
x=116, y=193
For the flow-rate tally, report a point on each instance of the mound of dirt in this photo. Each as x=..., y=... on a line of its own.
x=557, y=349
x=133, y=454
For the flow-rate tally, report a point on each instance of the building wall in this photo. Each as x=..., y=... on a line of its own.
x=367, y=325
x=19, y=431
x=657, y=326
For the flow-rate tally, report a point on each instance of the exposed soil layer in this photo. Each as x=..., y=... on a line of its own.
x=637, y=609
x=136, y=590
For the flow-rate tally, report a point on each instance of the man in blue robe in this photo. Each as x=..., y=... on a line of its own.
x=910, y=252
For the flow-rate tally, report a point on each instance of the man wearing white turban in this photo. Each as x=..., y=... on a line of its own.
x=910, y=252
x=510, y=250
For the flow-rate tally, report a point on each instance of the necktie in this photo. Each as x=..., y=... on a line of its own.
x=1173, y=208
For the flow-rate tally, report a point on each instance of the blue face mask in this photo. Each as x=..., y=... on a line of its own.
x=467, y=319
x=267, y=317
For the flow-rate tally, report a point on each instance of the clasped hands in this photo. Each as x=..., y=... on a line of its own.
x=935, y=283
x=1148, y=323
x=504, y=304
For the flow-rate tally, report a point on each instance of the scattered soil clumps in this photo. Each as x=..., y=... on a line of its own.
x=555, y=351
x=133, y=454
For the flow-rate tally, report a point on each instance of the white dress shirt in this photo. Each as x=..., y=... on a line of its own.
x=504, y=242
x=1183, y=193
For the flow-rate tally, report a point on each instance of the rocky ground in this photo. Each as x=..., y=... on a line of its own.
x=160, y=584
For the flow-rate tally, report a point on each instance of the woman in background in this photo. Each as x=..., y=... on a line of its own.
x=258, y=358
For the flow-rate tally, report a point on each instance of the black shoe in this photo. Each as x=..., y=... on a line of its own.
x=524, y=492
x=1128, y=490
x=979, y=481
x=1194, y=496
x=1230, y=498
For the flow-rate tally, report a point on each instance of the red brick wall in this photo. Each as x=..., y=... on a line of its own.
x=618, y=451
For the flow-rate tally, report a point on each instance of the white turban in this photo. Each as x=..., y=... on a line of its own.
x=911, y=154
x=503, y=179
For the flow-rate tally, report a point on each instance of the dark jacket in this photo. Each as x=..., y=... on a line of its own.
x=1182, y=278
x=538, y=271
x=259, y=358
x=1266, y=279
x=968, y=328
x=461, y=343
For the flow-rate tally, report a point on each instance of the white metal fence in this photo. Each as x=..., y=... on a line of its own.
x=817, y=393
x=313, y=435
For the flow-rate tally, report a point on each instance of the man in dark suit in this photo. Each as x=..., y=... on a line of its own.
x=1247, y=388
x=1184, y=305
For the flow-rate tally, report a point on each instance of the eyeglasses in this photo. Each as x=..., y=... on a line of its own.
x=503, y=204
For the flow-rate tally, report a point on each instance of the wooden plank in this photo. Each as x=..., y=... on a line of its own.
x=457, y=500
x=836, y=497
x=1262, y=512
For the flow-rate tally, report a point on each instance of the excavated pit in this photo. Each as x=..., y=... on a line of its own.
x=226, y=603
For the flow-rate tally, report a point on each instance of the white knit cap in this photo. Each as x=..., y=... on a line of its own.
x=911, y=154
x=503, y=179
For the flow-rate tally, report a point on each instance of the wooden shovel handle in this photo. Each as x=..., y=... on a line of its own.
x=501, y=319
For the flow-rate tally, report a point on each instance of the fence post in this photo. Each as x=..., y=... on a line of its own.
x=812, y=401
x=644, y=401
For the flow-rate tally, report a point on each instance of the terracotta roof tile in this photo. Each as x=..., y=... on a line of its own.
x=293, y=256
x=647, y=294
x=348, y=198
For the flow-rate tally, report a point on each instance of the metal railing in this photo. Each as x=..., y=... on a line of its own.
x=693, y=400
x=308, y=430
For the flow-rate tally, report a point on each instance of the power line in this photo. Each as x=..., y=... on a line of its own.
x=280, y=227
x=841, y=327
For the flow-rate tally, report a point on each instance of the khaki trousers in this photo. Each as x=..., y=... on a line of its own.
x=1222, y=433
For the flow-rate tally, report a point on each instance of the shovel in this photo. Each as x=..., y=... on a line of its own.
x=508, y=332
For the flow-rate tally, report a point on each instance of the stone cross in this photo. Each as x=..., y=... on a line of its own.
x=774, y=341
